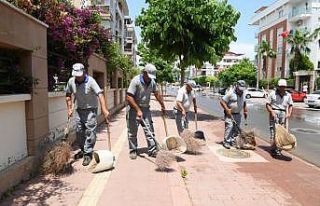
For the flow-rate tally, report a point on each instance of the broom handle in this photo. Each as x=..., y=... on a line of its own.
x=235, y=123
x=109, y=136
x=165, y=125
x=287, y=120
x=196, y=120
x=150, y=133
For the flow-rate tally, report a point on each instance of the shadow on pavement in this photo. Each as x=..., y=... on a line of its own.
x=282, y=157
x=180, y=159
x=170, y=115
x=168, y=170
x=43, y=188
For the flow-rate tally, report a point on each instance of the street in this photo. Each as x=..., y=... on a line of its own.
x=304, y=124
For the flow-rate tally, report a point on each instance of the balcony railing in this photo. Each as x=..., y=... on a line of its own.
x=299, y=12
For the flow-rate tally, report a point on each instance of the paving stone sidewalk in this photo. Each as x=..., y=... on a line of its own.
x=212, y=179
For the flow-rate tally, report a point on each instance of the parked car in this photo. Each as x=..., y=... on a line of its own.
x=253, y=92
x=298, y=96
x=313, y=99
x=197, y=88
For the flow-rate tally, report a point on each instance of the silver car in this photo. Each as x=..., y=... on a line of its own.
x=313, y=99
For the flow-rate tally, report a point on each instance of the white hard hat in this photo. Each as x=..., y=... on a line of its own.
x=282, y=83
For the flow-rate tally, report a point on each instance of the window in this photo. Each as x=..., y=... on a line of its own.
x=280, y=13
x=318, y=64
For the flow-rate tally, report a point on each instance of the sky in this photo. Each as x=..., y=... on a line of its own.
x=245, y=34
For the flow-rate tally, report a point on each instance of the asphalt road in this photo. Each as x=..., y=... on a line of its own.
x=304, y=124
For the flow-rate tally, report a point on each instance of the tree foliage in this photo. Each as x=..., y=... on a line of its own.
x=299, y=40
x=204, y=80
x=245, y=70
x=265, y=51
x=300, y=62
x=193, y=31
x=318, y=83
x=164, y=68
x=73, y=34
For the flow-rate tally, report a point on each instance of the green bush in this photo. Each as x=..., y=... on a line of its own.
x=202, y=80
x=318, y=83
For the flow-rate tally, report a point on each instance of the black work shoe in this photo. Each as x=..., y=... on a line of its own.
x=276, y=153
x=79, y=155
x=153, y=153
x=86, y=159
x=226, y=145
x=133, y=155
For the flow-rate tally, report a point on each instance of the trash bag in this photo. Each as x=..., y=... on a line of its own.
x=283, y=139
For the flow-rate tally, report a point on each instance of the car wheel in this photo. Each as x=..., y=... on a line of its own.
x=248, y=96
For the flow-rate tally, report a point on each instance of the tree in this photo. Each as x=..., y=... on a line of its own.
x=73, y=34
x=318, y=83
x=245, y=70
x=192, y=31
x=299, y=40
x=300, y=62
x=164, y=68
x=265, y=51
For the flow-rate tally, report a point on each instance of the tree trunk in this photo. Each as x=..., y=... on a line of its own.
x=182, y=76
x=182, y=72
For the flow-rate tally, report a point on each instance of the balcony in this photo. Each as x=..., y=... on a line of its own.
x=299, y=14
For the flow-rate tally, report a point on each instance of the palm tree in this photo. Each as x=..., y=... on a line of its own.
x=266, y=52
x=299, y=40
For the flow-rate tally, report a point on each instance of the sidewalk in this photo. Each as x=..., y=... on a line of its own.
x=213, y=179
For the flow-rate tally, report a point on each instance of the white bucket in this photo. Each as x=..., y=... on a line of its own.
x=175, y=144
x=101, y=160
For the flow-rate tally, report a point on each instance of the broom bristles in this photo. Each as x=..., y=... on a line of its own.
x=193, y=145
x=57, y=159
x=164, y=159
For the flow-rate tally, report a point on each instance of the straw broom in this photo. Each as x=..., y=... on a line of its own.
x=193, y=145
x=57, y=159
x=164, y=158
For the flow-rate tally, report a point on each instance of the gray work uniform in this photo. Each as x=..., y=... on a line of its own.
x=141, y=92
x=235, y=103
x=279, y=105
x=86, y=99
x=186, y=101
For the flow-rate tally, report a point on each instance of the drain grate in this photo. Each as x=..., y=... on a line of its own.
x=306, y=131
x=234, y=153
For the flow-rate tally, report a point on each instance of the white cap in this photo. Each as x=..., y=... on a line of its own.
x=151, y=70
x=282, y=83
x=77, y=70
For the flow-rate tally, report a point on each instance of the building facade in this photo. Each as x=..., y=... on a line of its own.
x=130, y=41
x=277, y=19
x=229, y=59
x=113, y=13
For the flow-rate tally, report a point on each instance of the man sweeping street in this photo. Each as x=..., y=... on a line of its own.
x=184, y=99
x=86, y=92
x=138, y=97
x=233, y=103
x=279, y=106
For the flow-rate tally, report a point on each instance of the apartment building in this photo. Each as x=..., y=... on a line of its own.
x=281, y=17
x=130, y=40
x=113, y=13
x=229, y=59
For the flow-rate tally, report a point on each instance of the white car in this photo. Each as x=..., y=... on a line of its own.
x=313, y=99
x=253, y=92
